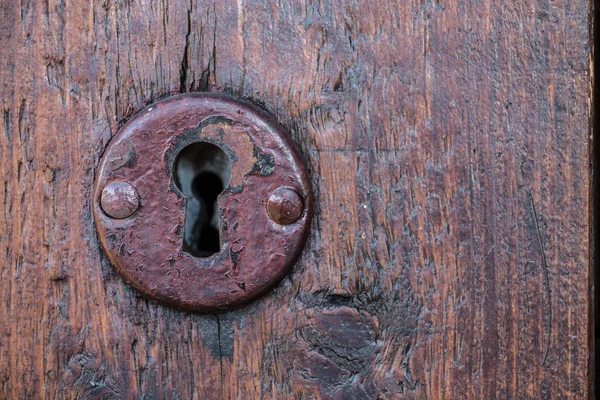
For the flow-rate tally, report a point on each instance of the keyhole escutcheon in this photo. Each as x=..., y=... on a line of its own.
x=202, y=202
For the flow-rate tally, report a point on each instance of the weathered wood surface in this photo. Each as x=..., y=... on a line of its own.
x=449, y=148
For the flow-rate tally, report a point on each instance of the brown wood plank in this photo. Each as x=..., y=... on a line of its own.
x=449, y=147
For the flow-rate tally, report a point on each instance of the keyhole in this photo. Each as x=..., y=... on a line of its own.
x=202, y=172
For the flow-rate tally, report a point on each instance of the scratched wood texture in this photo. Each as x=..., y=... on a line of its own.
x=449, y=148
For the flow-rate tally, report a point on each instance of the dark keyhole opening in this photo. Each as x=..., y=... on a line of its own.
x=202, y=172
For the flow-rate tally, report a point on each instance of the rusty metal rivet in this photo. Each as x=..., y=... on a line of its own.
x=285, y=206
x=119, y=200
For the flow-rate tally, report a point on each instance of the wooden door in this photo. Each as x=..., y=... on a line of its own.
x=449, y=149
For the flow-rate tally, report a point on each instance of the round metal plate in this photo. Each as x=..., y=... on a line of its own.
x=146, y=248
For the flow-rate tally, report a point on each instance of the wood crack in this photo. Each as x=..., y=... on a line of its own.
x=220, y=354
x=186, y=50
x=546, y=276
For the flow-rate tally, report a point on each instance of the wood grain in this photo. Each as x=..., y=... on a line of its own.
x=449, y=149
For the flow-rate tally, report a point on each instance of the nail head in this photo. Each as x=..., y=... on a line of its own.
x=285, y=206
x=119, y=200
